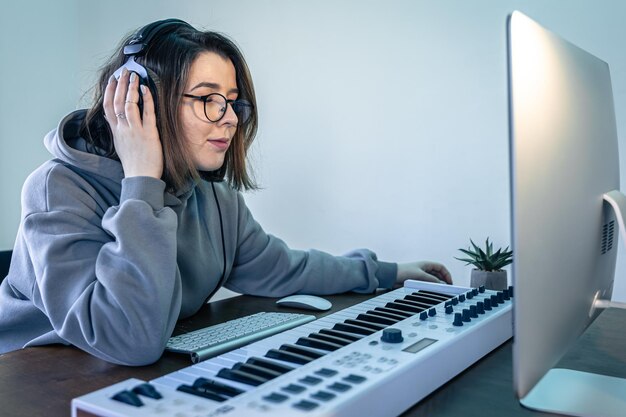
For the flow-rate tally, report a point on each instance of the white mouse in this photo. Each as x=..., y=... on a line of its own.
x=308, y=302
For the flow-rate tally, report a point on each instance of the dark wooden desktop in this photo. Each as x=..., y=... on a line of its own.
x=42, y=381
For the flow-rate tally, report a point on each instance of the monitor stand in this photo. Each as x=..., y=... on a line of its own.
x=577, y=393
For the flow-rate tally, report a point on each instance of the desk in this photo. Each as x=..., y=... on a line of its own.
x=42, y=381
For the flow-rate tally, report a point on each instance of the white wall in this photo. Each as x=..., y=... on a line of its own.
x=383, y=123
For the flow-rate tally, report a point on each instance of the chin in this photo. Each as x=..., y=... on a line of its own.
x=209, y=165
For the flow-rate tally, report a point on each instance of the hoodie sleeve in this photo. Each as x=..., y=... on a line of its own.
x=106, y=277
x=264, y=265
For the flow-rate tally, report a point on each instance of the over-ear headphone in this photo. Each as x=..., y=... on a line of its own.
x=138, y=45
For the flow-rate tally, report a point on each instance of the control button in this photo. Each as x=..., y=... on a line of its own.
x=472, y=312
x=458, y=319
x=510, y=291
x=310, y=380
x=305, y=405
x=469, y=295
x=339, y=387
x=423, y=315
x=323, y=395
x=326, y=372
x=432, y=312
x=475, y=292
x=480, y=307
x=447, y=303
x=494, y=301
x=487, y=304
x=147, y=390
x=276, y=398
x=129, y=398
x=449, y=309
x=392, y=336
x=354, y=379
x=505, y=294
x=294, y=388
x=500, y=296
x=466, y=315
x=481, y=289
x=461, y=298
x=413, y=334
x=373, y=343
x=454, y=301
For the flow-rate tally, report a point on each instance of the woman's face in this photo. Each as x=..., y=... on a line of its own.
x=208, y=141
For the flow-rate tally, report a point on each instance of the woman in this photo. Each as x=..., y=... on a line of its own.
x=131, y=227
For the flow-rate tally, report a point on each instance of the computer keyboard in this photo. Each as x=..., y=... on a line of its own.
x=213, y=340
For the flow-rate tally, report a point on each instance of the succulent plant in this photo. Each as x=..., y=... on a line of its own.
x=487, y=259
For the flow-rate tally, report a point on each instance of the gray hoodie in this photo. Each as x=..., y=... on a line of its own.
x=109, y=264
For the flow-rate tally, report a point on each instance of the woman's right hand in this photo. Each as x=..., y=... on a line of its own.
x=136, y=139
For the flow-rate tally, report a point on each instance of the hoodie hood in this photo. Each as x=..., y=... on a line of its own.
x=66, y=144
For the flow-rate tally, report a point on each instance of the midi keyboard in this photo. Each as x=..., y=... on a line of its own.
x=376, y=358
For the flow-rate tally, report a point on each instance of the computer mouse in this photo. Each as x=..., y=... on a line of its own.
x=308, y=302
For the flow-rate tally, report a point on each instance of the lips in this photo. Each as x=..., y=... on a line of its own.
x=221, y=143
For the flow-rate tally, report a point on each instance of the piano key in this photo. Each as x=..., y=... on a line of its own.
x=351, y=328
x=256, y=370
x=439, y=295
x=273, y=365
x=394, y=311
x=374, y=326
x=288, y=356
x=319, y=344
x=202, y=392
x=423, y=306
x=375, y=315
x=304, y=351
x=221, y=389
x=333, y=339
x=241, y=376
x=340, y=333
x=404, y=307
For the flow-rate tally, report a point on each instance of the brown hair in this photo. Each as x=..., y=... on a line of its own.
x=168, y=59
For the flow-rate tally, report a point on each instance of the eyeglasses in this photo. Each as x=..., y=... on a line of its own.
x=215, y=106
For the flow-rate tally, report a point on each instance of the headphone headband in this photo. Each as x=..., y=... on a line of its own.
x=142, y=38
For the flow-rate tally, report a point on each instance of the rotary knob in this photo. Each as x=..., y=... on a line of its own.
x=392, y=336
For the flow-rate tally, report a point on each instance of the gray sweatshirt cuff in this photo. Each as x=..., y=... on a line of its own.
x=386, y=274
x=148, y=189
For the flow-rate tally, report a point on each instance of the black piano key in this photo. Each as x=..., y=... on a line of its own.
x=424, y=299
x=274, y=366
x=351, y=328
x=256, y=370
x=374, y=326
x=375, y=318
x=300, y=350
x=404, y=307
x=394, y=311
x=393, y=317
x=218, y=387
x=417, y=304
x=201, y=392
x=333, y=339
x=339, y=333
x=439, y=295
x=318, y=344
x=241, y=376
x=288, y=356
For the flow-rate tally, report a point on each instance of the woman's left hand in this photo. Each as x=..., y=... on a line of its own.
x=423, y=271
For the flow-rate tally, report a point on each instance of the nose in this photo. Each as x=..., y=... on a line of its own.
x=230, y=117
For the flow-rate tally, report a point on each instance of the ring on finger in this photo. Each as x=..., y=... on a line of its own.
x=130, y=101
x=120, y=115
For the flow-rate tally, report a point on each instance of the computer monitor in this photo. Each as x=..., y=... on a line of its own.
x=564, y=160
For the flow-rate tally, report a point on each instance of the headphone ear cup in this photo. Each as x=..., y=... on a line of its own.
x=153, y=82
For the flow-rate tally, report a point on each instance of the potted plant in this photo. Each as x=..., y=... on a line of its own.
x=489, y=264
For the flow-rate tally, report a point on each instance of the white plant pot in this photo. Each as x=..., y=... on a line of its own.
x=492, y=280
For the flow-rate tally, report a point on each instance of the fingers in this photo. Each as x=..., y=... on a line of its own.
x=119, y=97
x=107, y=104
x=131, y=107
x=149, y=116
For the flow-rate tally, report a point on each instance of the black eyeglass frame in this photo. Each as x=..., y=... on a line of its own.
x=233, y=103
